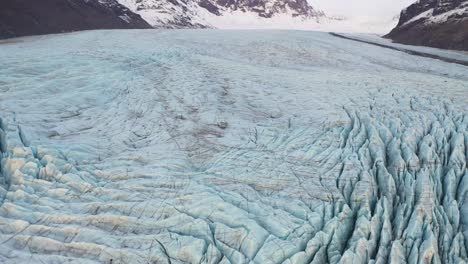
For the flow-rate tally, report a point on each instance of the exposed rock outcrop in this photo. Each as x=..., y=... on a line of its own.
x=435, y=23
x=23, y=17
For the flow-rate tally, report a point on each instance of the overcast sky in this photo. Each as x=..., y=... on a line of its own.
x=362, y=8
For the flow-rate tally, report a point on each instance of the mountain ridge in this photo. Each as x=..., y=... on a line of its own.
x=23, y=17
x=434, y=23
x=205, y=13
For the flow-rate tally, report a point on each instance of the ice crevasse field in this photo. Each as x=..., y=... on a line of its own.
x=207, y=146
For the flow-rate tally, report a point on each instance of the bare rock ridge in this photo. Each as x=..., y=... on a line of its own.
x=23, y=17
x=435, y=23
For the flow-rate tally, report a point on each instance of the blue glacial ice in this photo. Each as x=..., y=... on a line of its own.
x=208, y=146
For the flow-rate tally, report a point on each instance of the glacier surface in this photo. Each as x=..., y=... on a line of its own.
x=209, y=146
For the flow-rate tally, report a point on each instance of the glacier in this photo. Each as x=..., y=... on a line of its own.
x=226, y=146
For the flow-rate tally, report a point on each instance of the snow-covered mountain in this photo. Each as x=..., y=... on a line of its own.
x=257, y=14
x=21, y=17
x=24, y=17
x=221, y=13
x=436, y=23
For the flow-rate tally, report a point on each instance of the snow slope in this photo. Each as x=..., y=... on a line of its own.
x=241, y=20
x=207, y=146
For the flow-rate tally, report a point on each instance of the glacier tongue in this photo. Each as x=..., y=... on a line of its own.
x=229, y=147
x=388, y=185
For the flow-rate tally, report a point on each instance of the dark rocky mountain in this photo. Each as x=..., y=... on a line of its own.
x=435, y=23
x=33, y=17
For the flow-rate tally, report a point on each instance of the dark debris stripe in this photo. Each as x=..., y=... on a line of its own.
x=411, y=52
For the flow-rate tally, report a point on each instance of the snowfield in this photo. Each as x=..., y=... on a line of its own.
x=211, y=146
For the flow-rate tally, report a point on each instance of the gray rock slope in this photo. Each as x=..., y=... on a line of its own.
x=23, y=17
x=435, y=23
